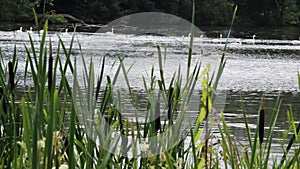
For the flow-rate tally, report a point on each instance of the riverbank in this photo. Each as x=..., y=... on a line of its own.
x=261, y=32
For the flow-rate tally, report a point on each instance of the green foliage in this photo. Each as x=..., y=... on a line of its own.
x=57, y=19
x=291, y=14
x=217, y=12
x=8, y=10
x=207, y=12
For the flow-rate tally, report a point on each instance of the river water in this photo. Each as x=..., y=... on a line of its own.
x=255, y=67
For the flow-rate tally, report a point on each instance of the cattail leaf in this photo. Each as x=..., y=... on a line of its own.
x=261, y=125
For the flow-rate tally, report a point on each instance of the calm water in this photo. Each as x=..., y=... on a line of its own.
x=255, y=68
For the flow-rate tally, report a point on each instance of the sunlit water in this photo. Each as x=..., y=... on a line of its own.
x=254, y=68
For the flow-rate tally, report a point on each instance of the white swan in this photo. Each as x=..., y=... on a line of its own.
x=20, y=30
x=204, y=54
x=201, y=38
x=30, y=30
x=151, y=54
x=183, y=37
x=250, y=40
x=42, y=31
x=236, y=42
x=66, y=32
x=253, y=39
x=110, y=33
x=218, y=40
x=295, y=42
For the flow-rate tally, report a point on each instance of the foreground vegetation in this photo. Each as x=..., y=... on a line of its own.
x=41, y=129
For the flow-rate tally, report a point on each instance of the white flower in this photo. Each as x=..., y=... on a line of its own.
x=41, y=144
x=23, y=145
x=179, y=163
x=144, y=146
x=63, y=166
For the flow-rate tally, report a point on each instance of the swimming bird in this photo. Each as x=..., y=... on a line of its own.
x=183, y=37
x=42, y=31
x=204, y=54
x=218, y=40
x=66, y=32
x=30, y=30
x=253, y=39
x=295, y=42
x=236, y=42
x=250, y=40
x=151, y=54
x=110, y=33
x=20, y=30
x=201, y=38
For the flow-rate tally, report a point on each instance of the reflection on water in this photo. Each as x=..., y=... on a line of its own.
x=266, y=65
x=287, y=33
x=254, y=68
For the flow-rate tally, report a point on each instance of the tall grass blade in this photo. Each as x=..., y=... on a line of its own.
x=195, y=159
x=261, y=122
x=248, y=131
x=289, y=146
x=254, y=152
x=99, y=82
x=39, y=88
x=50, y=129
x=271, y=131
x=161, y=70
x=50, y=67
x=299, y=79
x=223, y=61
x=36, y=20
x=191, y=41
x=11, y=76
x=72, y=129
x=125, y=75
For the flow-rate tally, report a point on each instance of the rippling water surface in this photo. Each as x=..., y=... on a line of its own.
x=254, y=68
